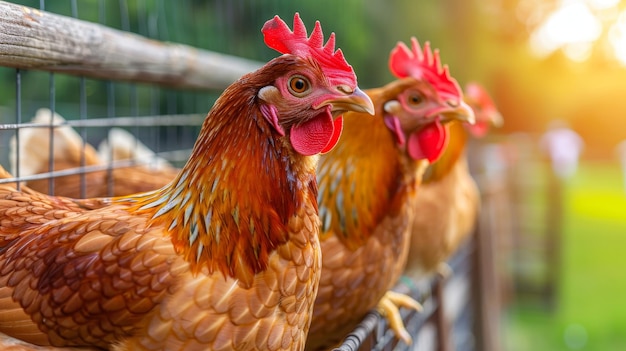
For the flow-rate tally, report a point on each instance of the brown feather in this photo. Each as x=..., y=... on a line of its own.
x=366, y=155
x=445, y=214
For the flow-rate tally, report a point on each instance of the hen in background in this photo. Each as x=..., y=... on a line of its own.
x=121, y=145
x=69, y=152
x=448, y=201
x=224, y=257
x=366, y=187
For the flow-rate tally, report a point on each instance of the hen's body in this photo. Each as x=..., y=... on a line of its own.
x=445, y=208
x=118, y=181
x=117, y=279
x=366, y=184
x=225, y=257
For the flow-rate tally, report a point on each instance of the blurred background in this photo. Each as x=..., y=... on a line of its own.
x=547, y=63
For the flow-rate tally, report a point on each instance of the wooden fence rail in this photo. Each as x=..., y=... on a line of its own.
x=33, y=39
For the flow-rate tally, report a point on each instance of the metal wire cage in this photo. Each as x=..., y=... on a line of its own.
x=169, y=135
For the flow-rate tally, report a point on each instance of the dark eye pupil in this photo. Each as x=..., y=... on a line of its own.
x=299, y=84
x=415, y=99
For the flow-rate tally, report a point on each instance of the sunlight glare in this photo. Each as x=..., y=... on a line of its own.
x=617, y=38
x=603, y=4
x=578, y=52
x=571, y=25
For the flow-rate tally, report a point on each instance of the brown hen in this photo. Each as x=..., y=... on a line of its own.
x=225, y=257
x=449, y=201
x=367, y=184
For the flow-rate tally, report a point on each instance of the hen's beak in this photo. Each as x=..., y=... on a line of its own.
x=356, y=101
x=496, y=119
x=463, y=112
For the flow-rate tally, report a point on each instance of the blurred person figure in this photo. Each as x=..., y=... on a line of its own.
x=620, y=151
x=563, y=146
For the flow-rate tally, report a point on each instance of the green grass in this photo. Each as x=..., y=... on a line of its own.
x=591, y=309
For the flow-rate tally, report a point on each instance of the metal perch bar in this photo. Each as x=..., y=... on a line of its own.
x=354, y=340
x=74, y=171
x=34, y=39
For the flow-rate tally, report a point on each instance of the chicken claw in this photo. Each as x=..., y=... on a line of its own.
x=388, y=308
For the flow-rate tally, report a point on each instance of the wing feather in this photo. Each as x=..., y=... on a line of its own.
x=79, y=276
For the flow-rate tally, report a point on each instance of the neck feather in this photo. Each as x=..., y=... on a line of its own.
x=228, y=208
x=451, y=155
x=362, y=180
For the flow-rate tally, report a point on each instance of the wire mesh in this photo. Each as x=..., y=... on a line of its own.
x=167, y=134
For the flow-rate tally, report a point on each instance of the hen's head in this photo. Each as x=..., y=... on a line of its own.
x=487, y=114
x=428, y=97
x=314, y=85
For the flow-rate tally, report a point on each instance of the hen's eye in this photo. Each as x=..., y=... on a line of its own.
x=298, y=85
x=414, y=99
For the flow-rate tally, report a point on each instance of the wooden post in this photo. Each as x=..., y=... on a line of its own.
x=441, y=323
x=486, y=286
x=553, y=240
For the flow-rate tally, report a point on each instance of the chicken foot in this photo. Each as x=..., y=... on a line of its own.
x=388, y=308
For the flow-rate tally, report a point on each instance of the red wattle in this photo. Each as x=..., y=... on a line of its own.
x=428, y=143
x=393, y=123
x=312, y=136
x=478, y=129
x=338, y=128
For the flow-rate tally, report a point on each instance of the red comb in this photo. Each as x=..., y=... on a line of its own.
x=476, y=92
x=279, y=37
x=405, y=62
